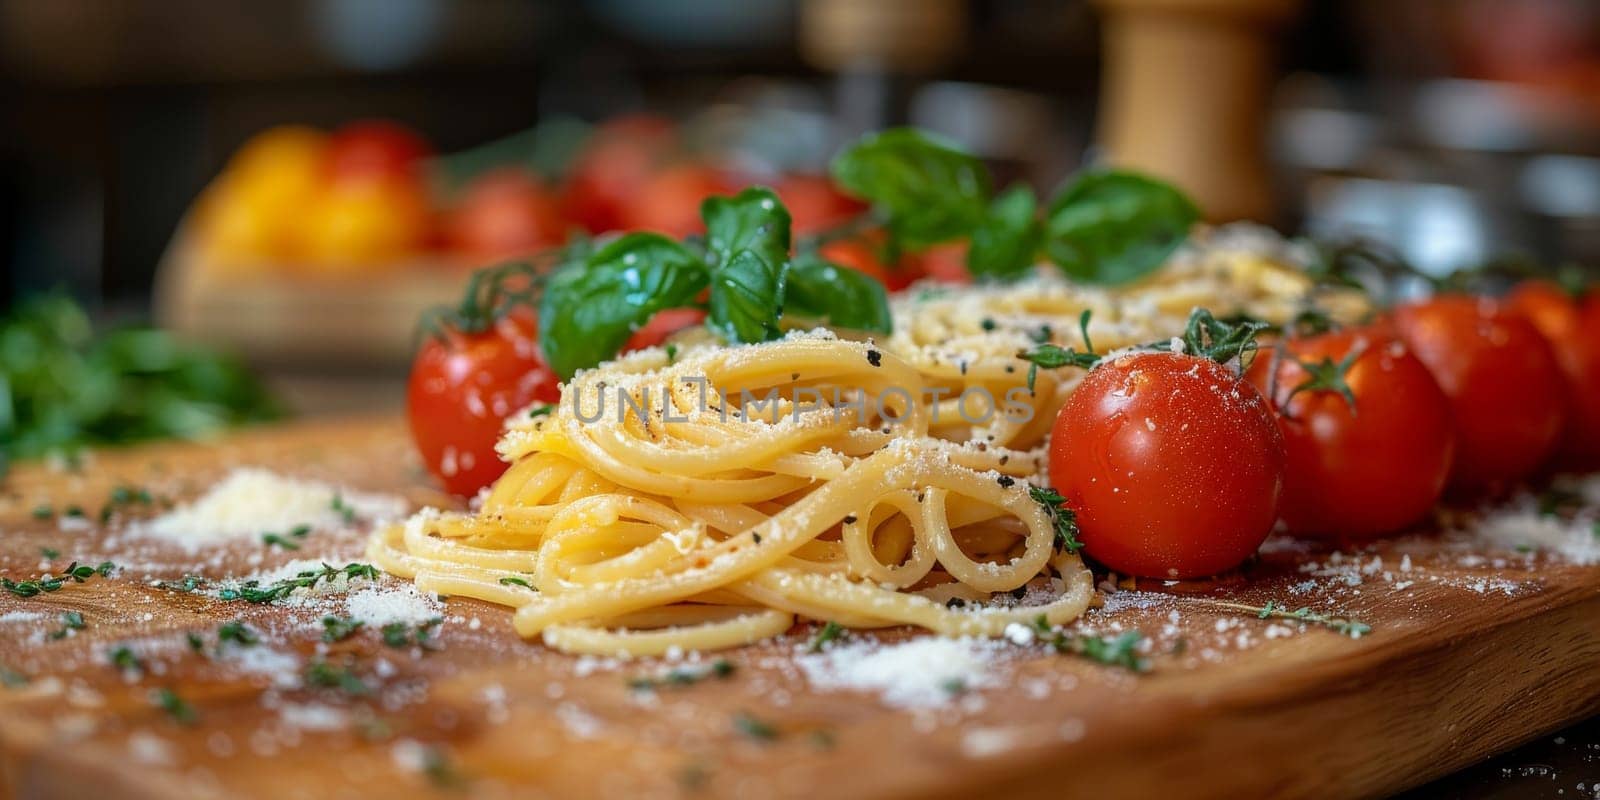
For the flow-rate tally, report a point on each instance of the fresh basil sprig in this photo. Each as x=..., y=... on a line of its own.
x=1104, y=227
x=591, y=306
x=927, y=190
x=837, y=295
x=1114, y=227
x=594, y=302
x=747, y=249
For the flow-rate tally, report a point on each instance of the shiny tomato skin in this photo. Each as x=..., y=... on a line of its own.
x=1572, y=327
x=1172, y=462
x=375, y=150
x=663, y=324
x=1505, y=388
x=462, y=388
x=669, y=202
x=505, y=213
x=1355, y=474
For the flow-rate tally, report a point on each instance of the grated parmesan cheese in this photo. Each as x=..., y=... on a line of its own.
x=251, y=501
x=920, y=673
x=386, y=605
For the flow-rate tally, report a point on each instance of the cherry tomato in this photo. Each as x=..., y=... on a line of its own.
x=462, y=388
x=1572, y=327
x=1367, y=465
x=669, y=202
x=503, y=214
x=863, y=255
x=814, y=203
x=375, y=149
x=1172, y=462
x=360, y=225
x=663, y=324
x=1505, y=387
x=612, y=165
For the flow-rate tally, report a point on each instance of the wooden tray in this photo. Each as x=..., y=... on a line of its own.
x=1465, y=659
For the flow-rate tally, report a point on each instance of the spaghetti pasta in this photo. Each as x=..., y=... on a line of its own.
x=708, y=501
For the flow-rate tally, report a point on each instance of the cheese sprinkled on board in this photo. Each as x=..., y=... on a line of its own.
x=920, y=673
x=252, y=501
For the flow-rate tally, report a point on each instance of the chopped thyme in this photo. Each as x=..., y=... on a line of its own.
x=541, y=410
x=399, y=634
x=73, y=511
x=238, y=633
x=754, y=728
x=50, y=582
x=188, y=584
x=722, y=668
x=953, y=686
x=1063, y=519
x=1350, y=627
x=271, y=539
x=1119, y=651
x=49, y=553
x=196, y=643
x=830, y=631
x=253, y=592
x=337, y=629
x=70, y=621
x=323, y=675
x=175, y=706
x=345, y=511
x=672, y=353
x=12, y=679
x=440, y=771
x=514, y=580
x=123, y=658
x=122, y=497
x=43, y=511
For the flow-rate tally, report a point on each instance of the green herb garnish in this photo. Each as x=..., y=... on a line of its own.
x=323, y=675
x=682, y=676
x=123, y=658
x=252, y=592
x=1350, y=627
x=754, y=728
x=175, y=706
x=70, y=621
x=1062, y=518
x=337, y=629
x=831, y=631
x=513, y=580
x=1118, y=651
x=238, y=633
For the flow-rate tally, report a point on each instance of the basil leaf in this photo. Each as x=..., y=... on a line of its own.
x=747, y=247
x=838, y=295
x=591, y=307
x=1114, y=227
x=1005, y=244
x=928, y=190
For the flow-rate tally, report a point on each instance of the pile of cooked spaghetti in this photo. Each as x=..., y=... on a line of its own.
x=709, y=496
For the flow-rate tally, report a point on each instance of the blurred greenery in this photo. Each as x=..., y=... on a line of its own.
x=63, y=387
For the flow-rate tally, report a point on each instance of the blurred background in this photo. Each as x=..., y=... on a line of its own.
x=145, y=169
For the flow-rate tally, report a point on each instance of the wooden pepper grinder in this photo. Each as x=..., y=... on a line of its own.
x=1185, y=92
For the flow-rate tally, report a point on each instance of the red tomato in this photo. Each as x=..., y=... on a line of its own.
x=946, y=263
x=1172, y=462
x=1572, y=327
x=375, y=149
x=613, y=164
x=863, y=256
x=461, y=390
x=1505, y=388
x=663, y=324
x=814, y=203
x=669, y=202
x=505, y=213
x=1362, y=471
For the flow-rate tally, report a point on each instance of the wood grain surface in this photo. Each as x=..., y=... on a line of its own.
x=1470, y=653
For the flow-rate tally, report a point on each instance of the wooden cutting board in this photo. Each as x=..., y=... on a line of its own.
x=1465, y=659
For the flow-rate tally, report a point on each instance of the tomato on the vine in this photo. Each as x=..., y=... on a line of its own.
x=669, y=201
x=505, y=213
x=1572, y=327
x=478, y=365
x=815, y=204
x=617, y=160
x=1505, y=387
x=865, y=256
x=1172, y=463
x=1366, y=429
